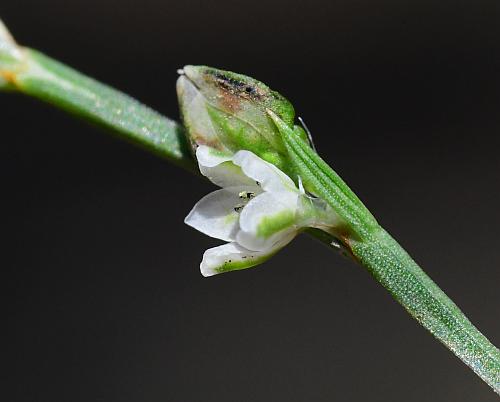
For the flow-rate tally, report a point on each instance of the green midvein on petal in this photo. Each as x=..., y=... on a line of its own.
x=248, y=262
x=270, y=225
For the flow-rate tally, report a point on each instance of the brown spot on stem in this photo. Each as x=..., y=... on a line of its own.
x=345, y=239
x=9, y=76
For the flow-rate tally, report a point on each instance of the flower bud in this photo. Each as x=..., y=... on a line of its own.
x=227, y=112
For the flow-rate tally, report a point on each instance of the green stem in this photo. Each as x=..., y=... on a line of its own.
x=390, y=265
x=41, y=77
x=388, y=262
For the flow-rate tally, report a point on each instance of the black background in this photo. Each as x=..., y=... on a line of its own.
x=103, y=296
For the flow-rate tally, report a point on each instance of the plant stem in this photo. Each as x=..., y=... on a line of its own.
x=410, y=286
x=46, y=79
x=41, y=77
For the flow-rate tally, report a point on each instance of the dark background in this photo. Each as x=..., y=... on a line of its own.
x=103, y=296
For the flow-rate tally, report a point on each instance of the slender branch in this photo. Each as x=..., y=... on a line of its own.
x=44, y=78
x=410, y=286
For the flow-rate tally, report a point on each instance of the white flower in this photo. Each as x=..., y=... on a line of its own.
x=258, y=210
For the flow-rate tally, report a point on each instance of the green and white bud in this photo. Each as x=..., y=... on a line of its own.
x=227, y=112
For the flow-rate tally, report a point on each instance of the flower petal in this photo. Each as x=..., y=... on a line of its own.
x=269, y=177
x=266, y=219
x=215, y=214
x=218, y=168
x=210, y=157
x=232, y=257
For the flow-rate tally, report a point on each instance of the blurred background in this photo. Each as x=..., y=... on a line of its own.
x=103, y=296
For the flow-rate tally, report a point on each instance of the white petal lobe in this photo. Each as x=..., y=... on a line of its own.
x=230, y=257
x=219, y=169
x=215, y=215
x=269, y=177
x=208, y=157
x=266, y=219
